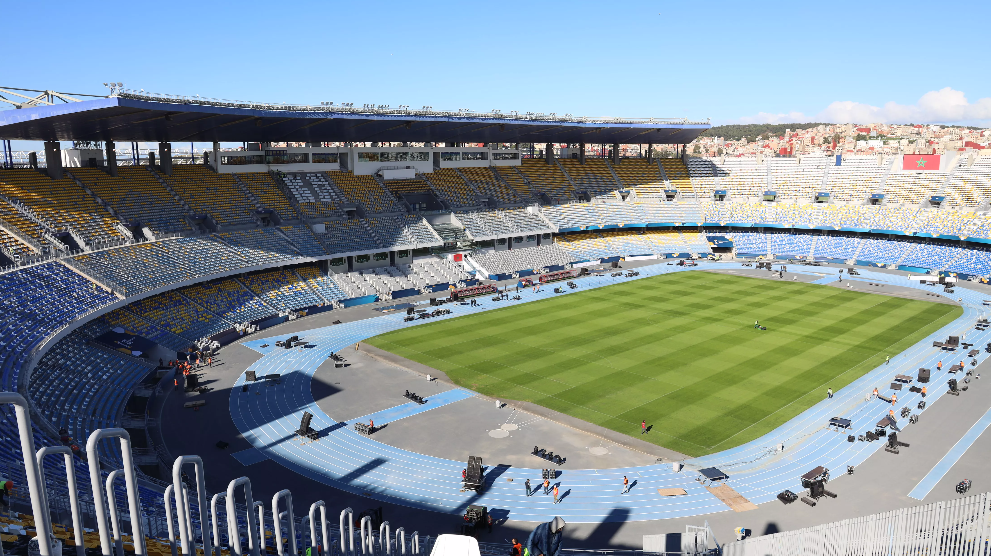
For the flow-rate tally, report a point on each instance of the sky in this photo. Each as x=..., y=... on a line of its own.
x=730, y=62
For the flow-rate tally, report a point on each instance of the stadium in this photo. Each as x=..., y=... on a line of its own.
x=406, y=324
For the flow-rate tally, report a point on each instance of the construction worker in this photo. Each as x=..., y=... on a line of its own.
x=939, y=366
x=875, y=393
x=891, y=414
x=894, y=398
x=6, y=489
x=923, y=391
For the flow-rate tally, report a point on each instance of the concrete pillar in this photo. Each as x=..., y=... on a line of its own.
x=615, y=153
x=165, y=157
x=216, y=156
x=549, y=153
x=650, y=152
x=33, y=160
x=581, y=153
x=111, y=158
x=53, y=157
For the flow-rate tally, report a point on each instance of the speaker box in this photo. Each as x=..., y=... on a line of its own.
x=250, y=376
x=192, y=381
x=615, y=264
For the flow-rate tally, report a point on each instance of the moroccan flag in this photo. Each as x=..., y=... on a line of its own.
x=920, y=162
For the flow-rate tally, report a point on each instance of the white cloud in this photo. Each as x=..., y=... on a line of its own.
x=943, y=106
x=946, y=105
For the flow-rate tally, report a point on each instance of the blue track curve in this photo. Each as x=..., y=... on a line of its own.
x=268, y=415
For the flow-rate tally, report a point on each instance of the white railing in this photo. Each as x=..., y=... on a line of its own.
x=950, y=528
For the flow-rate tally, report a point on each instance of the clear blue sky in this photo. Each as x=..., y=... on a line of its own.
x=729, y=61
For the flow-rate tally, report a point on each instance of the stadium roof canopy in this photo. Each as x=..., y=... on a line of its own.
x=131, y=117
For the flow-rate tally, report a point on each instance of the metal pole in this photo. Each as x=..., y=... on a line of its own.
x=70, y=478
x=278, y=525
x=323, y=527
x=185, y=529
x=213, y=518
x=114, y=516
x=232, y=531
x=134, y=504
x=345, y=551
x=367, y=542
x=39, y=505
x=415, y=543
x=260, y=508
x=168, y=518
x=401, y=541
x=384, y=539
x=304, y=524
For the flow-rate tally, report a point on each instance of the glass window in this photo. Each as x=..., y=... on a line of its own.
x=450, y=157
x=473, y=155
x=400, y=156
x=531, y=238
x=421, y=156
x=298, y=158
x=276, y=157
x=324, y=158
x=385, y=157
x=362, y=259
x=339, y=261
x=501, y=241
x=402, y=254
x=505, y=156
x=518, y=239
x=381, y=256
x=239, y=160
x=368, y=157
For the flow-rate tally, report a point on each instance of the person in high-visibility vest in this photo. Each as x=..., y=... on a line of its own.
x=923, y=391
x=6, y=489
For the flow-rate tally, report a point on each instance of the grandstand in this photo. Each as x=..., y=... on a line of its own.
x=191, y=257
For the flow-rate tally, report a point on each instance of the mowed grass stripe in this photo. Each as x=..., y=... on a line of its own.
x=678, y=350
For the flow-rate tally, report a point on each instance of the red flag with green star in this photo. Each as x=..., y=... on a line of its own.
x=920, y=162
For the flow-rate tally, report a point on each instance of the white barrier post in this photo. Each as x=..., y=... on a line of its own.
x=39, y=505
x=367, y=540
x=384, y=538
x=346, y=551
x=99, y=501
x=168, y=518
x=114, y=515
x=401, y=541
x=232, y=531
x=260, y=508
x=70, y=478
x=278, y=525
x=325, y=545
x=213, y=518
x=186, y=535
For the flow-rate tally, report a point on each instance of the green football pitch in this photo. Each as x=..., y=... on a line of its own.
x=678, y=350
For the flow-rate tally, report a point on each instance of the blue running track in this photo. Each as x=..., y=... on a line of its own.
x=267, y=416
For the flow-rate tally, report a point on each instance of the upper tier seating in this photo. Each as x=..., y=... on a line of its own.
x=14, y=218
x=316, y=196
x=303, y=239
x=794, y=178
x=912, y=187
x=856, y=178
x=524, y=258
x=485, y=182
x=402, y=232
x=594, y=176
x=970, y=184
x=641, y=176
x=137, y=196
x=262, y=245
x=262, y=186
x=742, y=177
x=13, y=247
x=703, y=174
x=451, y=187
x=512, y=177
x=677, y=174
x=548, y=178
x=207, y=192
x=60, y=204
x=501, y=223
x=408, y=187
x=364, y=190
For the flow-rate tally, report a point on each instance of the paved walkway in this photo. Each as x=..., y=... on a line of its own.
x=267, y=416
